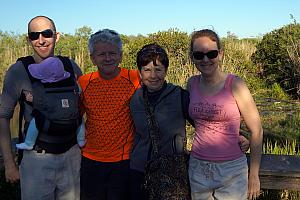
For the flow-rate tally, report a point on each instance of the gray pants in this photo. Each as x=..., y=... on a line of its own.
x=46, y=176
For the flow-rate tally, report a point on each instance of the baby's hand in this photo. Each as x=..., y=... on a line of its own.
x=28, y=96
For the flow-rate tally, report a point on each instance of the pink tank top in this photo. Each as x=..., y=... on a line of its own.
x=217, y=123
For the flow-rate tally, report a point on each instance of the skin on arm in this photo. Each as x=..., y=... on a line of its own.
x=251, y=117
x=11, y=169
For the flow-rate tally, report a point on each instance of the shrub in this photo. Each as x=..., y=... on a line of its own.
x=278, y=56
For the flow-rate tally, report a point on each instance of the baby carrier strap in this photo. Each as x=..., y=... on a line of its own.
x=67, y=65
x=26, y=61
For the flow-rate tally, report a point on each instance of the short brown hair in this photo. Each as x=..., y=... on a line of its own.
x=151, y=53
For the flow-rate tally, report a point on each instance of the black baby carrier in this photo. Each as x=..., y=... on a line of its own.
x=55, y=109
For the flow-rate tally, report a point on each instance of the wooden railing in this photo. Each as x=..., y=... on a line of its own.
x=280, y=172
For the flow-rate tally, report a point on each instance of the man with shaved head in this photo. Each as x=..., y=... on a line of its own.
x=52, y=169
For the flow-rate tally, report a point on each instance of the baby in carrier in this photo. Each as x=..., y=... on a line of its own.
x=50, y=70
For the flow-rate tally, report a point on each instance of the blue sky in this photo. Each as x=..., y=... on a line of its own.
x=244, y=18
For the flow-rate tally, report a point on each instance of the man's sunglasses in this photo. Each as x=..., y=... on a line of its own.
x=48, y=33
x=198, y=55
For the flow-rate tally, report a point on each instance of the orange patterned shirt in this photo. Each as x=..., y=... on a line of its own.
x=109, y=125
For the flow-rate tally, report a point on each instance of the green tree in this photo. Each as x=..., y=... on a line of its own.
x=76, y=47
x=277, y=56
x=130, y=48
x=12, y=46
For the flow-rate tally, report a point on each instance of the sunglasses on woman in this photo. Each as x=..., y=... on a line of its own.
x=198, y=55
x=48, y=33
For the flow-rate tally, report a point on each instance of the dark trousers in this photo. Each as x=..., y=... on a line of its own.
x=137, y=191
x=104, y=181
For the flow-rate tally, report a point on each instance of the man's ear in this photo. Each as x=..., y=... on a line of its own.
x=92, y=59
x=121, y=57
x=28, y=40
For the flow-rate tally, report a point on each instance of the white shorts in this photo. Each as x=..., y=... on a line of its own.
x=218, y=180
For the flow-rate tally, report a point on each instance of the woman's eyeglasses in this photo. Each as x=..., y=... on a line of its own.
x=198, y=55
x=48, y=33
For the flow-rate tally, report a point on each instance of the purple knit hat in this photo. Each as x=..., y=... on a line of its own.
x=49, y=70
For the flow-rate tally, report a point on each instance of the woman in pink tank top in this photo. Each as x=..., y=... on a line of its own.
x=218, y=168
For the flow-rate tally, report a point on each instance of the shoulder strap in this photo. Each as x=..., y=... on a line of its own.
x=20, y=132
x=191, y=82
x=228, y=82
x=67, y=65
x=26, y=62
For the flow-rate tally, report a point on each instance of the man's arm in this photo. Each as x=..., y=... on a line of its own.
x=12, y=87
x=11, y=169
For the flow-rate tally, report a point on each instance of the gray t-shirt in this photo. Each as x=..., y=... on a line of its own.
x=16, y=82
